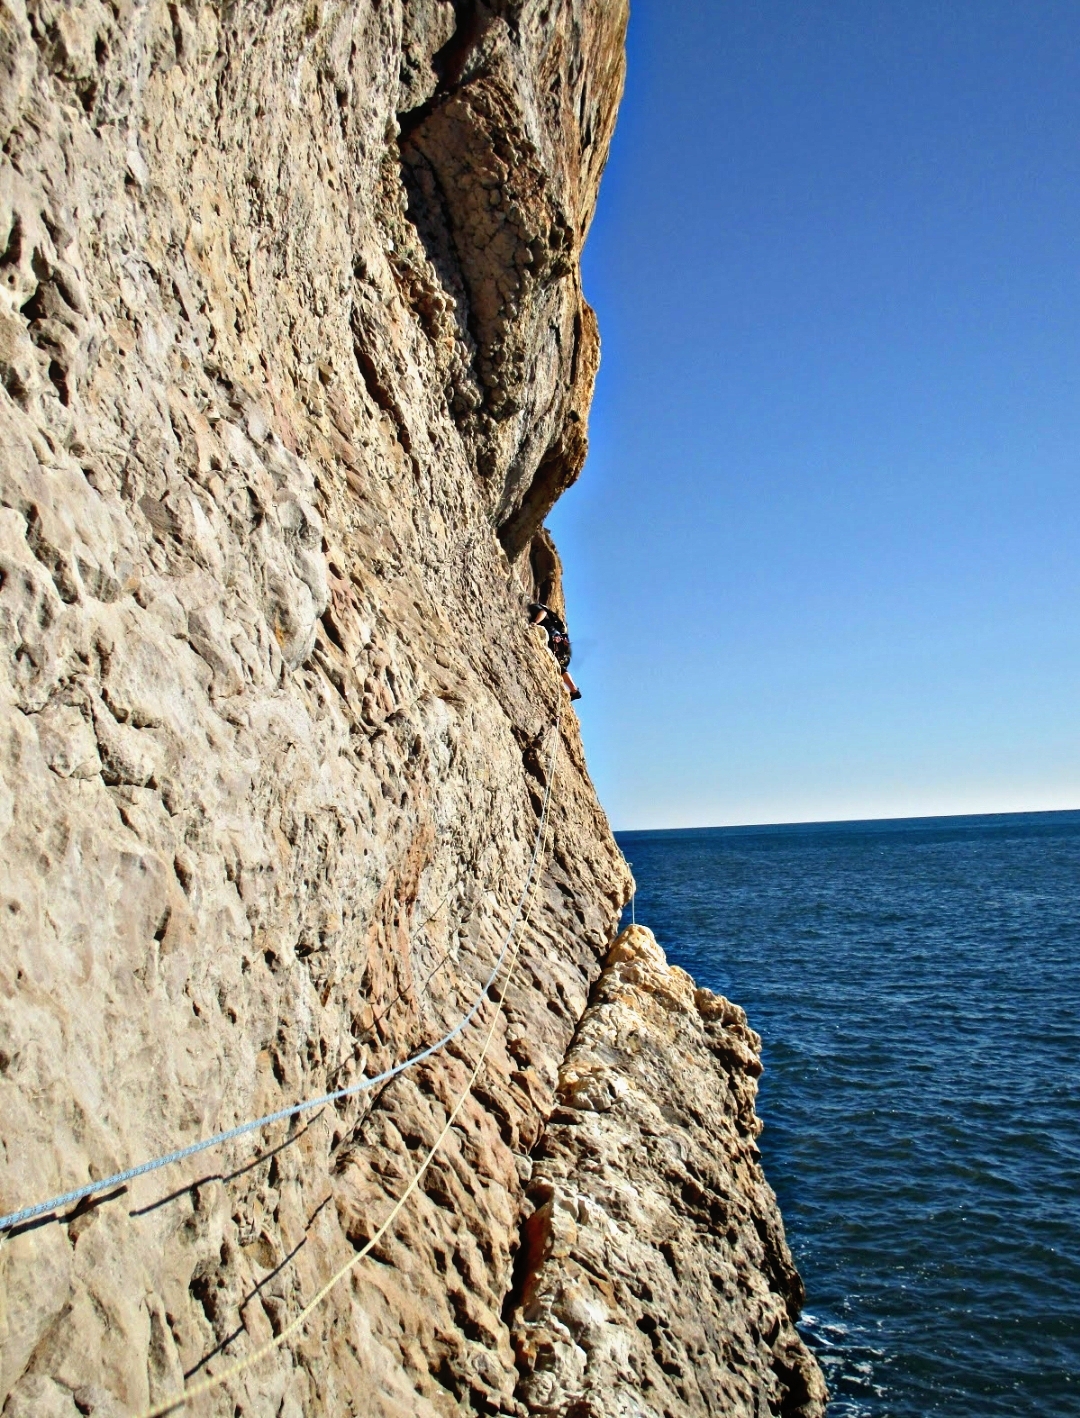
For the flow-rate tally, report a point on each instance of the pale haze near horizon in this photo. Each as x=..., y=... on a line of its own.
x=822, y=562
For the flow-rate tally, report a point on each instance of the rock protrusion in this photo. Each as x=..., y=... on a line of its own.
x=653, y=1276
x=501, y=163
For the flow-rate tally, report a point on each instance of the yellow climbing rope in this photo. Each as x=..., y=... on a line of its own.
x=214, y=1381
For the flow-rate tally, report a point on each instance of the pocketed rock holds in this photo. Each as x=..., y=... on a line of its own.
x=654, y=1277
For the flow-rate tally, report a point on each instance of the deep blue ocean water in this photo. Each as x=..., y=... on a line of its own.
x=917, y=984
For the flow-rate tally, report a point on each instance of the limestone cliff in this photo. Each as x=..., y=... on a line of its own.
x=295, y=361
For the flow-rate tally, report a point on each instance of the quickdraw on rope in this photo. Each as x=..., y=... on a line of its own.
x=363, y=1085
x=214, y=1381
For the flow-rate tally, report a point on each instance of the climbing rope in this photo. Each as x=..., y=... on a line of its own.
x=168, y=1159
x=214, y=1381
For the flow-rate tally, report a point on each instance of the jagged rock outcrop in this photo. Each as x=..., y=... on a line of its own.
x=294, y=360
x=654, y=1277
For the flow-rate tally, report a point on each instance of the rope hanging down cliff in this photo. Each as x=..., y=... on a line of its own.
x=167, y=1159
x=215, y=1381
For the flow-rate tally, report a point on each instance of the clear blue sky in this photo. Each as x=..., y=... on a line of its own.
x=824, y=559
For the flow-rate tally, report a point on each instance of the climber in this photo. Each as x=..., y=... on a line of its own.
x=558, y=642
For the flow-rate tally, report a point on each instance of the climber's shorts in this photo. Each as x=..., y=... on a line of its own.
x=559, y=645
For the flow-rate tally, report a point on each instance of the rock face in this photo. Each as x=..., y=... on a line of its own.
x=654, y=1276
x=294, y=362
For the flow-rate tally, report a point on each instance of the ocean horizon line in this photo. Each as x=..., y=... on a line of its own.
x=960, y=819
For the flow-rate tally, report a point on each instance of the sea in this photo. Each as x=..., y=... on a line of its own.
x=917, y=986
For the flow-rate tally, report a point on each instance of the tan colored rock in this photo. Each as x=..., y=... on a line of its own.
x=654, y=1277
x=293, y=359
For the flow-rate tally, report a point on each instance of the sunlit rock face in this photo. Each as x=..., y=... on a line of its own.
x=294, y=361
x=654, y=1276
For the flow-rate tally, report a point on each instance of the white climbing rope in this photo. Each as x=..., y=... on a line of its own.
x=77, y=1194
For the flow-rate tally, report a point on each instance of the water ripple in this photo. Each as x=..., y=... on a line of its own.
x=918, y=988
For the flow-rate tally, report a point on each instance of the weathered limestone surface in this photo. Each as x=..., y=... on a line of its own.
x=294, y=361
x=654, y=1277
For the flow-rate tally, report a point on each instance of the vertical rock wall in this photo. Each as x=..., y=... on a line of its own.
x=294, y=362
